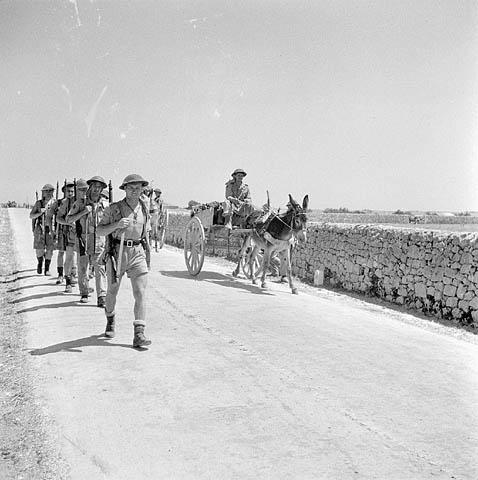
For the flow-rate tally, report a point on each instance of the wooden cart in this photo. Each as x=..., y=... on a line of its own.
x=206, y=219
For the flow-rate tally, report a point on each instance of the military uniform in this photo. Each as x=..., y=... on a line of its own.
x=134, y=259
x=88, y=245
x=66, y=243
x=239, y=191
x=43, y=232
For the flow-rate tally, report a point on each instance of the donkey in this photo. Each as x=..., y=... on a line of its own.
x=278, y=235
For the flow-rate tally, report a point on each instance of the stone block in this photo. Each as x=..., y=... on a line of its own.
x=420, y=290
x=449, y=290
x=474, y=303
x=451, y=302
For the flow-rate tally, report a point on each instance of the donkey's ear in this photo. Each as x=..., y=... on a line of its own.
x=292, y=201
x=305, y=202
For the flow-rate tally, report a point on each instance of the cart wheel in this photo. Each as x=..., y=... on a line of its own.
x=256, y=264
x=194, y=246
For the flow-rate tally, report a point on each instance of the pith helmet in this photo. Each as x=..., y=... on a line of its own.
x=81, y=183
x=157, y=190
x=133, y=178
x=47, y=186
x=105, y=193
x=67, y=184
x=97, y=178
x=238, y=170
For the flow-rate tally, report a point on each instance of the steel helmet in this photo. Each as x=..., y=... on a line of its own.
x=81, y=184
x=238, y=170
x=67, y=184
x=97, y=178
x=133, y=178
x=47, y=186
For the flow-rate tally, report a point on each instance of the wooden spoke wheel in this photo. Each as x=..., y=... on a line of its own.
x=256, y=264
x=194, y=246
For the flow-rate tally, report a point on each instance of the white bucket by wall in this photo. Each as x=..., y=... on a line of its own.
x=318, y=278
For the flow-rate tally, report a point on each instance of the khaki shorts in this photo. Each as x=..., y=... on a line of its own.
x=133, y=262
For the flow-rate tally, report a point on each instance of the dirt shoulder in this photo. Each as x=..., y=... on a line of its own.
x=27, y=443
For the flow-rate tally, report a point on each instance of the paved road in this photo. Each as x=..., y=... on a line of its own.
x=248, y=384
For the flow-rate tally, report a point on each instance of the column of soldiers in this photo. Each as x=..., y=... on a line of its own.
x=112, y=237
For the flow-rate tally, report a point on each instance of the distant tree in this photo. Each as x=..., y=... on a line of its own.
x=431, y=213
x=402, y=212
x=463, y=214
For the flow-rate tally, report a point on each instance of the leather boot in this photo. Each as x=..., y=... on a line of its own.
x=139, y=339
x=110, y=326
x=47, y=267
x=68, y=288
x=59, y=280
x=40, y=265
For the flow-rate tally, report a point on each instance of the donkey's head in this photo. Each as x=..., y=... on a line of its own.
x=299, y=217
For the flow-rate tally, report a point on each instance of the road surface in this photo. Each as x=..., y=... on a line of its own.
x=242, y=383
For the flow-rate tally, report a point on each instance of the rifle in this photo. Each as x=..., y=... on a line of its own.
x=54, y=221
x=110, y=192
x=34, y=221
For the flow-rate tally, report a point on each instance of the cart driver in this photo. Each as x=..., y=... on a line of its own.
x=237, y=206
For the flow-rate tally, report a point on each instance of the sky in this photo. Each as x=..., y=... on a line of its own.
x=365, y=104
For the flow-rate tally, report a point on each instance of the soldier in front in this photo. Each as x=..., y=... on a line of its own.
x=125, y=224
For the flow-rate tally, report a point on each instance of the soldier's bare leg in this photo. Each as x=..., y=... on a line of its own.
x=139, y=284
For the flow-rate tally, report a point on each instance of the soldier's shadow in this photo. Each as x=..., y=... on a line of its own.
x=73, y=303
x=75, y=346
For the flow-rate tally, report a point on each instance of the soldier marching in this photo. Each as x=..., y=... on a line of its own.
x=112, y=237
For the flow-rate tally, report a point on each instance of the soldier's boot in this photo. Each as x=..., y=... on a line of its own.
x=228, y=219
x=47, y=267
x=60, y=278
x=110, y=326
x=40, y=265
x=74, y=275
x=68, y=288
x=139, y=339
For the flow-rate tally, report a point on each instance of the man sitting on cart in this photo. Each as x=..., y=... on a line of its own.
x=238, y=205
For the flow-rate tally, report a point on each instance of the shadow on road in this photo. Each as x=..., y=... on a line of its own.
x=75, y=345
x=15, y=272
x=218, y=279
x=38, y=296
x=73, y=303
x=17, y=279
x=30, y=286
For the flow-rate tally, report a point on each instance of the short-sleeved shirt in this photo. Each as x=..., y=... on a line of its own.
x=139, y=216
x=94, y=217
x=241, y=192
x=51, y=208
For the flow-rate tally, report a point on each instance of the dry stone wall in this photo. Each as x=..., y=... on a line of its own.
x=431, y=271
x=368, y=218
